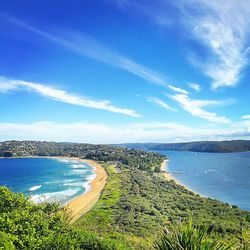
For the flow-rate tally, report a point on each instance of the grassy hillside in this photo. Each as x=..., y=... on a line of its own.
x=132, y=212
x=136, y=205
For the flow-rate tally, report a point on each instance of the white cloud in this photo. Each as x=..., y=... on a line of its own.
x=246, y=117
x=160, y=103
x=102, y=133
x=7, y=85
x=88, y=47
x=178, y=90
x=195, y=107
x=195, y=86
x=223, y=28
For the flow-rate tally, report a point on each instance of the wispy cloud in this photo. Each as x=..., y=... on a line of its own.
x=195, y=86
x=222, y=27
x=8, y=85
x=195, y=107
x=161, y=103
x=88, y=47
x=102, y=133
x=178, y=90
x=245, y=117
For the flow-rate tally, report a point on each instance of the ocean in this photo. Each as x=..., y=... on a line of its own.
x=223, y=176
x=46, y=179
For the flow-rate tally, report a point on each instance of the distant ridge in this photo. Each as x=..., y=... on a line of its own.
x=199, y=146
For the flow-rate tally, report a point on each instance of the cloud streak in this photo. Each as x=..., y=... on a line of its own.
x=222, y=28
x=195, y=86
x=160, y=103
x=245, y=117
x=102, y=133
x=9, y=85
x=86, y=46
x=195, y=107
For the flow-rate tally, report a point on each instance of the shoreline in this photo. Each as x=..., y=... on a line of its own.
x=169, y=177
x=83, y=203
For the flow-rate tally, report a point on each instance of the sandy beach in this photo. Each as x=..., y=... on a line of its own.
x=165, y=173
x=170, y=177
x=83, y=203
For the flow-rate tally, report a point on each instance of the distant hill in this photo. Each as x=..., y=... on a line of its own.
x=200, y=146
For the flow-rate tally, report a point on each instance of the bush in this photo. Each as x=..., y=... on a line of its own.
x=25, y=225
x=188, y=237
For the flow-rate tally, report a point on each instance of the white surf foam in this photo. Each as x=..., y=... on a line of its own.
x=91, y=177
x=34, y=188
x=63, y=160
x=79, y=171
x=54, y=196
x=76, y=166
x=75, y=184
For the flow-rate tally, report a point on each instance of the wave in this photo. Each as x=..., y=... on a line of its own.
x=76, y=166
x=64, y=160
x=54, y=196
x=90, y=178
x=59, y=181
x=75, y=184
x=80, y=171
x=34, y=188
x=86, y=183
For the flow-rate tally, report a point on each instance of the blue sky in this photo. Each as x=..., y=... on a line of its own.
x=124, y=71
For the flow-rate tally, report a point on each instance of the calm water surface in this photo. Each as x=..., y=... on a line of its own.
x=217, y=175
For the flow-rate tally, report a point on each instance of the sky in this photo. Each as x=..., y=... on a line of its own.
x=118, y=71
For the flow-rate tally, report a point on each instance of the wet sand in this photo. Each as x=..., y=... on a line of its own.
x=84, y=203
x=167, y=175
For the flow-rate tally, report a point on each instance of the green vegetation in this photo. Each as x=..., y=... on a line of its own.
x=187, y=236
x=138, y=205
x=135, y=207
x=24, y=225
x=136, y=158
x=200, y=146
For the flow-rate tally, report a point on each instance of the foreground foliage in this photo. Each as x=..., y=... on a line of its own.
x=138, y=205
x=134, y=208
x=187, y=236
x=24, y=225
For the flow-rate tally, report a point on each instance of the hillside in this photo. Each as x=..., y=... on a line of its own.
x=136, y=204
x=200, y=146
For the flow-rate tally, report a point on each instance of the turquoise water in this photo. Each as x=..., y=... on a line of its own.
x=223, y=176
x=46, y=179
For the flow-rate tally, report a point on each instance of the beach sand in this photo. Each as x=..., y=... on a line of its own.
x=170, y=177
x=84, y=203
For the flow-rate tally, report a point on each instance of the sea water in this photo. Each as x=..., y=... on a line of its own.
x=46, y=179
x=223, y=176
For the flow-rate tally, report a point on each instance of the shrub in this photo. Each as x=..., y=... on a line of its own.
x=188, y=237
